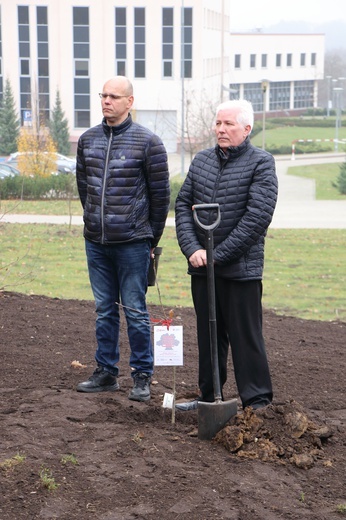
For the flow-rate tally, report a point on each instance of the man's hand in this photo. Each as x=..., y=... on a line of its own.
x=198, y=258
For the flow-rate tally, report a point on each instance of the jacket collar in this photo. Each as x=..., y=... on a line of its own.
x=117, y=129
x=233, y=151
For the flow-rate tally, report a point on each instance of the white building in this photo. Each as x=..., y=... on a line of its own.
x=73, y=47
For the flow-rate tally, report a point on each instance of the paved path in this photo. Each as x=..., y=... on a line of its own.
x=296, y=207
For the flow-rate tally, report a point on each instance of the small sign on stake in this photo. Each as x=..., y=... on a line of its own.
x=168, y=351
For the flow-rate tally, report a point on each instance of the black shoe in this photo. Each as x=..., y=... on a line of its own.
x=141, y=387
x=100, y=381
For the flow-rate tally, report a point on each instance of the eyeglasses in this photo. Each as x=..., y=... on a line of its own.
x=112, y=96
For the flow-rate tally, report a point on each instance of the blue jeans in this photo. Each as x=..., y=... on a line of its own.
x=118, y=273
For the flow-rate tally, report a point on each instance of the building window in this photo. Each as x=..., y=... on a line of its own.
x=253, y=93
x=234, y=91
x=81, y=50
x=24, y=59
x=167, y=42
x=302, y=59
x=139, y=42
x=120, y=41
x=264, y=61
x=313, y=59
x=252, y=61
x=289, y=60
x=43, y=63
x=237, y=61
x=304, y=94
x=280, y=92
x=278, y=60
x=186, y=40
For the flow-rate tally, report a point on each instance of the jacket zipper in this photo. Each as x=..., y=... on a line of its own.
x=104, y=187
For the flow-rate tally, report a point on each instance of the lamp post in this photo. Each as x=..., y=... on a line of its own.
x=328, y=95
x=264, y=85
x=337, y=92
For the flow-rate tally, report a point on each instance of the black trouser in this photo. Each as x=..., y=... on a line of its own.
x=239, y=324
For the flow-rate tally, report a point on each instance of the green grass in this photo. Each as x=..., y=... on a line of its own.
x=304, y=269
x=284, y=135
x=324, y=175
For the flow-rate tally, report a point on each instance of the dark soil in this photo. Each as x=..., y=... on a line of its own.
x=115, y=459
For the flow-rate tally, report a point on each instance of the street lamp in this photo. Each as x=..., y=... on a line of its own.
x=264, y=86
x=337, y=91
x=328, y=95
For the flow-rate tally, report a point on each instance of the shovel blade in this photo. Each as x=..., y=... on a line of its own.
x=212, y=417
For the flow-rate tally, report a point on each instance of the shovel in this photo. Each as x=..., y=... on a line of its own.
x=212, y=417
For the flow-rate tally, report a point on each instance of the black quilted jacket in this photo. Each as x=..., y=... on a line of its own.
x=123, y=183
x=245, y=185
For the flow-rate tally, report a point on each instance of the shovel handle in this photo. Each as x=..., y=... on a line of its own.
x=208, y=207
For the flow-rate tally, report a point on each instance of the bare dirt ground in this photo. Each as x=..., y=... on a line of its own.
x=114, y=459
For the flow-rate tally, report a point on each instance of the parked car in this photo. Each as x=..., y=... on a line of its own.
x=63, y=164
x=7, y=170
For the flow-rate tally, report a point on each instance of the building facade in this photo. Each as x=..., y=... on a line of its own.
x=178, y=54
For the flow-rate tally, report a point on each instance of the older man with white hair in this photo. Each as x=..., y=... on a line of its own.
x=242, y=180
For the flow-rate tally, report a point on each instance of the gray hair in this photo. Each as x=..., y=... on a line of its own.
x=245, y=116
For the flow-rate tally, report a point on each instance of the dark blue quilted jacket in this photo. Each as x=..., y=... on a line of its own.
x=123, y=183
x=245, y=185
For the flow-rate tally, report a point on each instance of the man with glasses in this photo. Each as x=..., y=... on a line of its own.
x=123, y=184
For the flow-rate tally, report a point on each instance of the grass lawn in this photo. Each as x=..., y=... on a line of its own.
x=304, y=270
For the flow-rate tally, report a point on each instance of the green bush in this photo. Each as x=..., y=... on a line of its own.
x=340, y=183
x=35, y=188
x=175, y=187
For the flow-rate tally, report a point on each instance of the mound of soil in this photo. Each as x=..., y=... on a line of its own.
x=66, y=455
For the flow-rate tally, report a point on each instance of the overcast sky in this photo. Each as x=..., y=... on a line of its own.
x=247, y=15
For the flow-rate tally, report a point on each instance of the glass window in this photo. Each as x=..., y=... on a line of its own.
x=81, y=50
x=313, y=59
x=80, y=16
x=120, y=51
x=237, y=61
x=24, y=67
x=121, y=68
x=167, y=52
x=42, y=33
x=24, y=50
x=252, y=60
x=139, y=52
x=42, y=15
x=23, y=33
x=42, y=50
x=23, y=14
x=139, y=16
x=140, y=34
x=82, y=85
x=167, y=69
x=120, y=16
x=167, y=16
x=187, y=42
x=43, y=85
x=302, y=59
x=82, y=119
x=81, y=68
x=82, y=102
x=24, y=83
x=289, y=60
x=43, y=67
x=139, y=69
x=120, y=41
x=278, y=60
x=120, y=34
x=264, y=60
x=81, y=34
